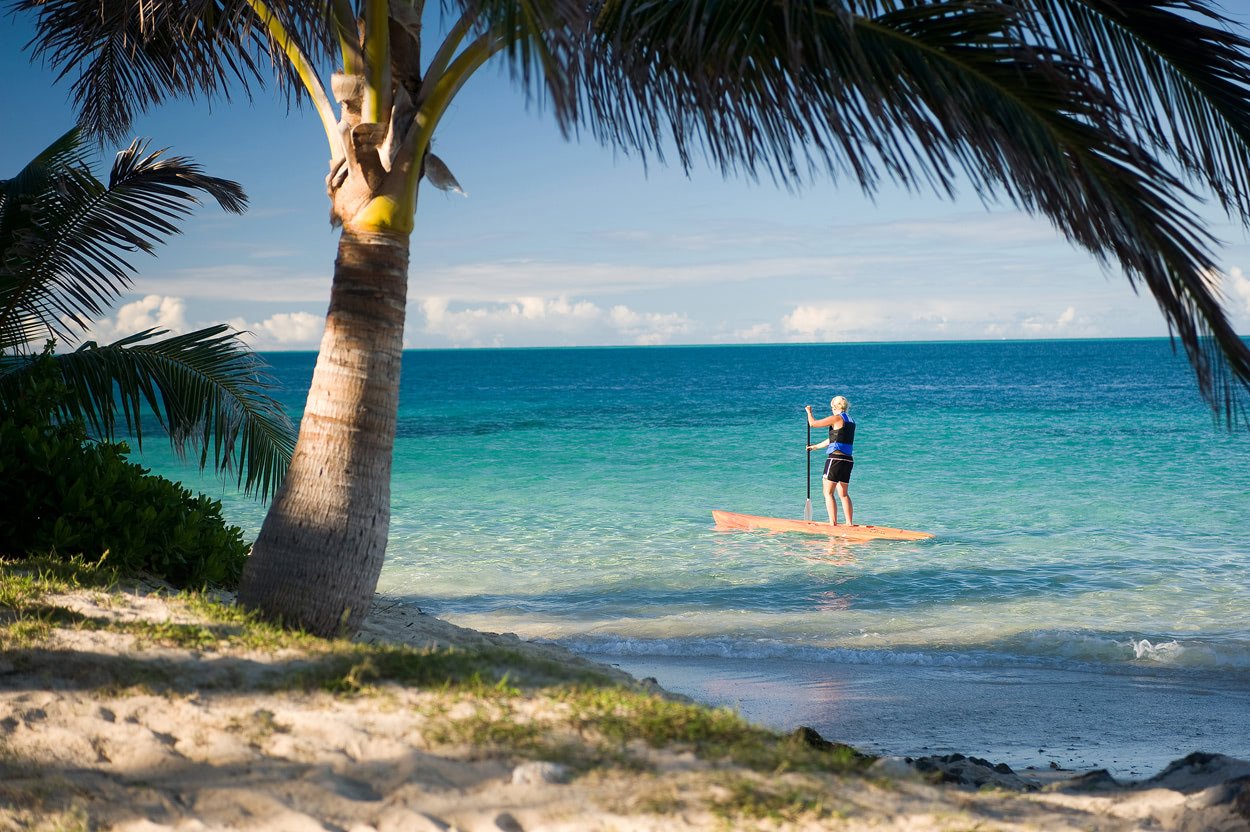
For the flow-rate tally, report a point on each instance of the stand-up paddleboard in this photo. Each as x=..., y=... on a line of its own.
x=747, y=522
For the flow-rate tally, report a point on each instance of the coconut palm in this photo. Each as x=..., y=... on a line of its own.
x=65, y=238
x=1104, y=117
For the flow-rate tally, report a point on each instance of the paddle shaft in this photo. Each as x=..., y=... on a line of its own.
x=807, y=507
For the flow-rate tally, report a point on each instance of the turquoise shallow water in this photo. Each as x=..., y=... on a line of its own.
x=1089, y=514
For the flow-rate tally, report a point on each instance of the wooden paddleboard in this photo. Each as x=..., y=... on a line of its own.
x=746, y=522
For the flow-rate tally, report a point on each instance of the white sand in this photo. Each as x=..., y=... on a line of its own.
x=216, y=751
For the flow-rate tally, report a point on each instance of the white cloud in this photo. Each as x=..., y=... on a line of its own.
x=151, y=311
x=754, y=333
x=834, y=321
x=535, y=320
x=1039, y=325
x=920, y=318
x=285, y=330
x=493, y=324
x=1238, y=289
x=650, y=327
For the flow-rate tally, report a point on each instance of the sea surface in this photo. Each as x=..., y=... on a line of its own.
x=1090, y=516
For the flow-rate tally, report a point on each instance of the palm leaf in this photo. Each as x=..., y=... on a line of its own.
x=543, y=40
x=20, y=234
x=207, y=390
x=1183, y=71
x=127, y=56
x=72, y=260
x=936, y=94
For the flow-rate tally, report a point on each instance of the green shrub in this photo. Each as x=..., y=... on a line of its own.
x=63, y=493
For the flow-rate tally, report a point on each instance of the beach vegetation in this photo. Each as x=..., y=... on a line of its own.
x=621, y=716
x=1103, y=118
x=68, y=495
x=258, y=727
x=755, y=798
x=613, y=725
x=24, y=633
x=33, y=576
x=655, y=797
x=42, y=808
x=67, y=243
x=25, y=616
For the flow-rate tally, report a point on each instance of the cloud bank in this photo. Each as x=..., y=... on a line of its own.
x=534, y=321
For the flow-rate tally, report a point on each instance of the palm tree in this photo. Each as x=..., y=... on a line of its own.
x=1103, y=116
x=64, y=241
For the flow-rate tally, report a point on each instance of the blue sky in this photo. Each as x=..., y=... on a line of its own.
x=567, y=243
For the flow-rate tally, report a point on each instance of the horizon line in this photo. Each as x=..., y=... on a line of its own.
x=1168, y=338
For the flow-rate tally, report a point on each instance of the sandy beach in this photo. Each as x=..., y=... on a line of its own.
x=130, y=709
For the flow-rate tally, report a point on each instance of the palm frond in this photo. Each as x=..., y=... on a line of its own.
x=542, y=39
x=1181, y=70
x=936, y=94
x=20, y=235
x=206, y=388
x=67, y=151
x=126, y=56
x=72, y=260
x=1048, y=134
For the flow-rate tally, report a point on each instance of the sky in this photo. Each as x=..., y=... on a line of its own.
x=568, y=243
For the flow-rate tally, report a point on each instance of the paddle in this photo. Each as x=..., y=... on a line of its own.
x=807, y=509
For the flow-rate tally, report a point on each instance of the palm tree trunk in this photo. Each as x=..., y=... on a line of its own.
x=317, y=559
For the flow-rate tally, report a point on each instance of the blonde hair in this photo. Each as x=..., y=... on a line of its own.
x=839, y=404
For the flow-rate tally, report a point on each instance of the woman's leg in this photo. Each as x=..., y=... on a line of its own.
x=827, y=488
x=844, y=494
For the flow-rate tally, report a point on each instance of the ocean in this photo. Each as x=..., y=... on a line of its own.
x=1090, y=523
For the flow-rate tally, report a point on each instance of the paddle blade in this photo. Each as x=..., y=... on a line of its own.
x=807, y=510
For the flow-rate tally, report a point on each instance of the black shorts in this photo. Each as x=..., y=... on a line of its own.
x=838, y=468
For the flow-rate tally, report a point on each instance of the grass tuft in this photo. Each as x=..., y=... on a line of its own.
x=778, y=802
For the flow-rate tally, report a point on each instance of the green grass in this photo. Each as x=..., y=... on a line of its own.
x=48, y=574
x=753, y=799
x=609, y=725
x=622, y=716
x=25, y=619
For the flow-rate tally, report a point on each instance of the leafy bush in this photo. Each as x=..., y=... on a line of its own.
x=66, y=494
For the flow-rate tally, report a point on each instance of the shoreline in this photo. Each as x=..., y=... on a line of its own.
x=1031, y=719
x=130, y=709
x=1038, y=721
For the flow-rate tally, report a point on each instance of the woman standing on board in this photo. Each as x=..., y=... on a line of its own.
x=839, y=461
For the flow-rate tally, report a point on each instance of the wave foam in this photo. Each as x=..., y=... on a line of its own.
x=1056, y=649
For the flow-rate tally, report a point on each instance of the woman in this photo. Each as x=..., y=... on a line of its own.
x=840, y=459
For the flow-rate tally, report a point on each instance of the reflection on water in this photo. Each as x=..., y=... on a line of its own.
x=829, y=552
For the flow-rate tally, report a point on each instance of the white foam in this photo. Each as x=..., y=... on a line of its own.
x=1057, y=649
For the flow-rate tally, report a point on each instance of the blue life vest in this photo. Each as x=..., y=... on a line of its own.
x=842, y=440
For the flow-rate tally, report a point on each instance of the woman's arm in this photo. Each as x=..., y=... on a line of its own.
x=813, y=422
x=818, y=445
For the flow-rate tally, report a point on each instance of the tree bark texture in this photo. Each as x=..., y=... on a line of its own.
x=317, y=559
